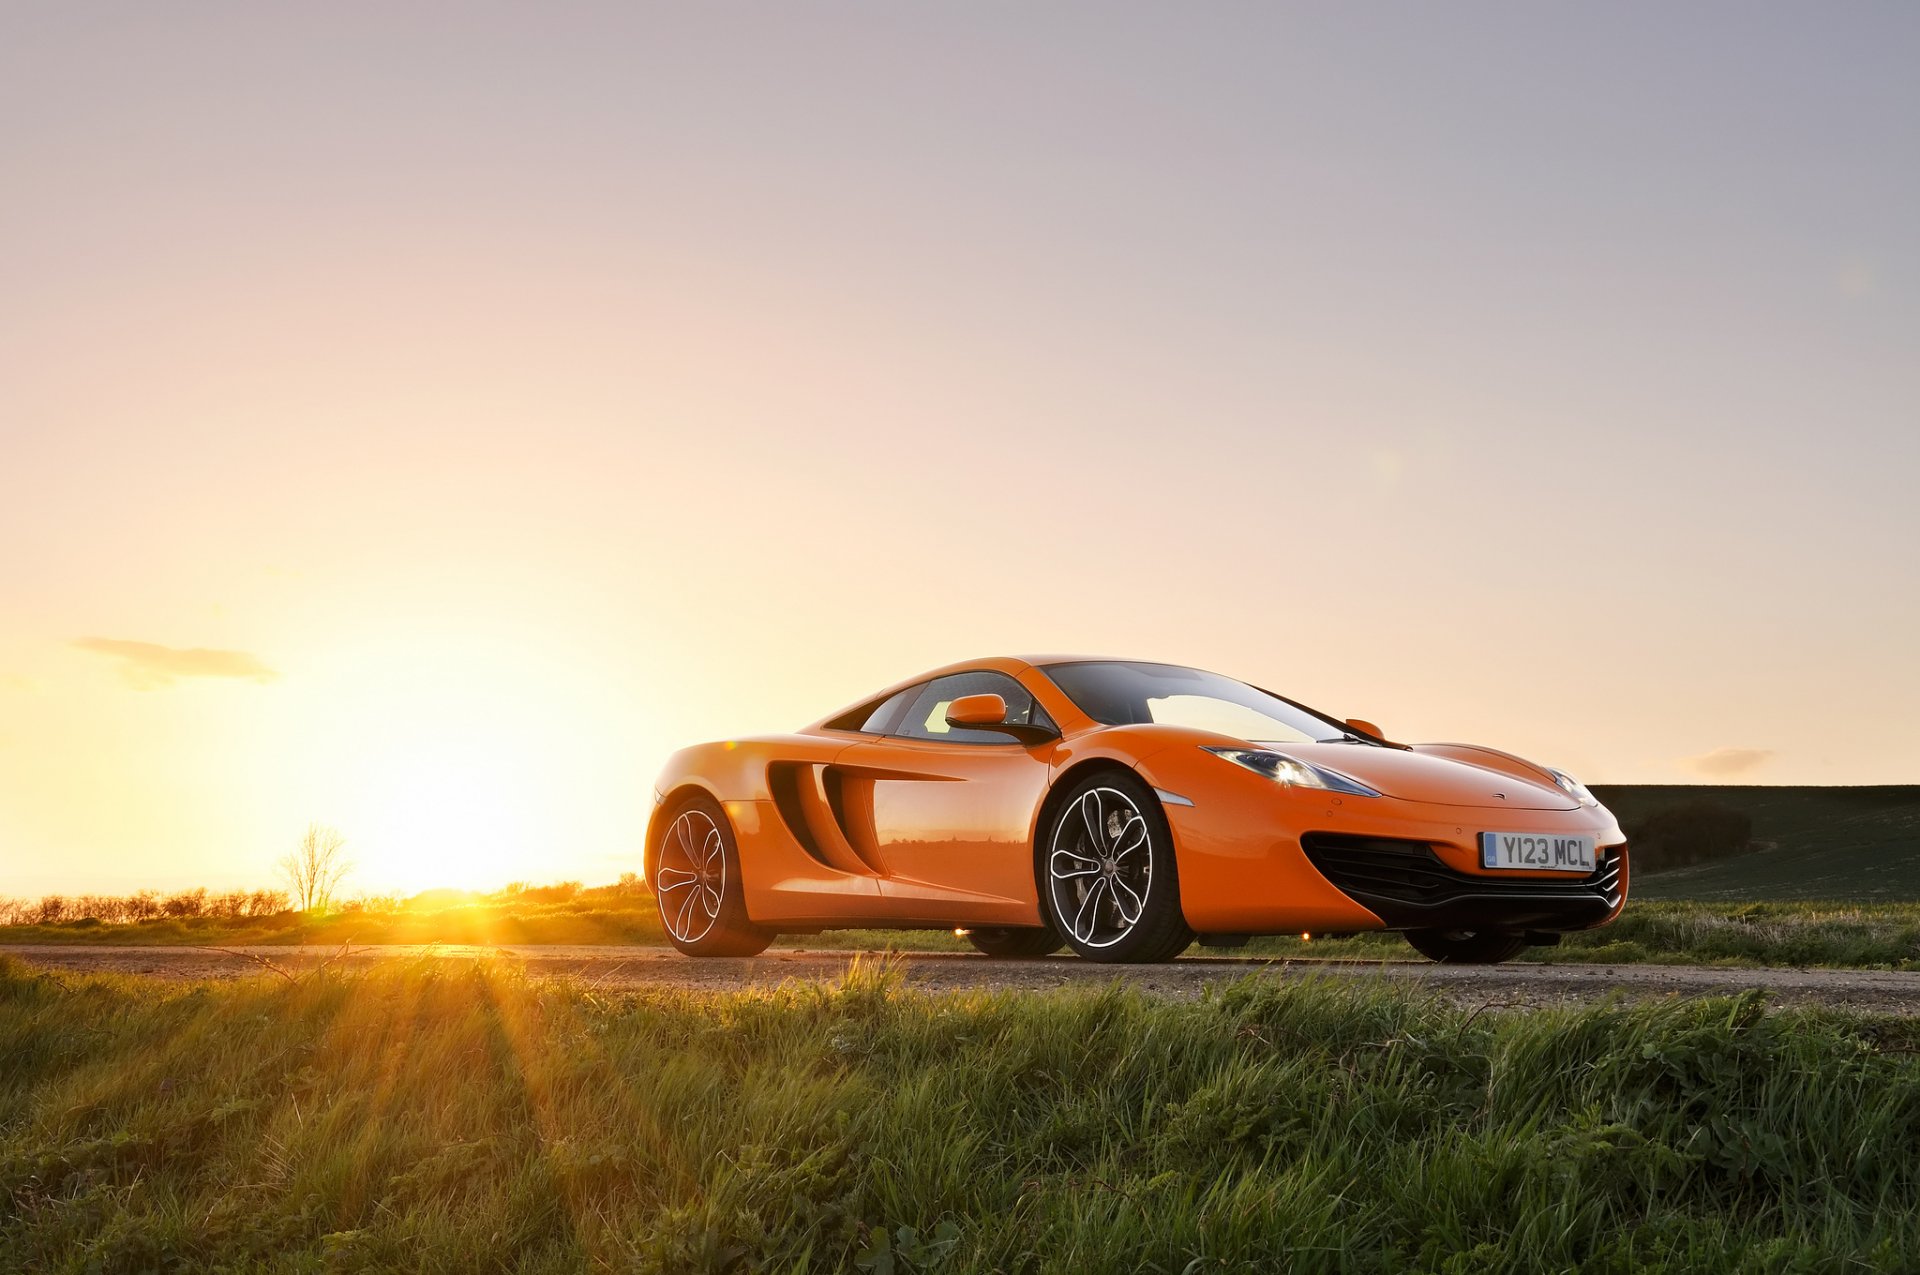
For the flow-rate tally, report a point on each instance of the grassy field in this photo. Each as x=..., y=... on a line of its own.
x=454, y=1116
x=1839, y=935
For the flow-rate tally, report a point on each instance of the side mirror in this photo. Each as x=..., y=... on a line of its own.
x=977, y=710
x=989, y=712
x=1365, y=727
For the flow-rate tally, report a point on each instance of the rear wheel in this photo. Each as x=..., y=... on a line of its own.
x=697, y=883
x=1467, y=947
x=1016, y=943
x=1112, y=888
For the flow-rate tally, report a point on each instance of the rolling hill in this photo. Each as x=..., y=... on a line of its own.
x=1840, y=843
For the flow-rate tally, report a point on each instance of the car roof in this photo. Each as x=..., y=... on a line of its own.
x=1040, y=661
x=1013, y=664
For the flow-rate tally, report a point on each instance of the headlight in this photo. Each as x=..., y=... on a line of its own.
x=1292, y=771
x=1573, y=787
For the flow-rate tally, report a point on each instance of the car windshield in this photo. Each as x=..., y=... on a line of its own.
x=1120, y=693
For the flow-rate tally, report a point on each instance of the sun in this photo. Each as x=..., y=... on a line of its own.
x=459, y=756
x=449, y=811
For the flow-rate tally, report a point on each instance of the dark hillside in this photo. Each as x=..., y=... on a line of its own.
x=1806, y=842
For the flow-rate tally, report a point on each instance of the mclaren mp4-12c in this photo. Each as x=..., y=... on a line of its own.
x=1122, y=809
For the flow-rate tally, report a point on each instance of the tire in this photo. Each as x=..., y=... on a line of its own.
x=1467, y=947
x=1022, y=943
x=698, y=854
x=1106, y=849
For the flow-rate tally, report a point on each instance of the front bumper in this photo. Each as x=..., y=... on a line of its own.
x=1243, y=870
x=1410, y=887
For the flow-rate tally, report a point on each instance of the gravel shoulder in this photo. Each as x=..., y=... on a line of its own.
x=1510, y=986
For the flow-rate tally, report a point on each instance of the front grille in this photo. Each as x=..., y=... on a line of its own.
x=1407, y=885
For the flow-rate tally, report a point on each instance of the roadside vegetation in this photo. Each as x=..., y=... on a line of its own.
x=461, y=1116
x=1869, y=936
x=1840, y=935
x=567, y=912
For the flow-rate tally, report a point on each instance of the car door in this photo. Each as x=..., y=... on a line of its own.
x=948, y=811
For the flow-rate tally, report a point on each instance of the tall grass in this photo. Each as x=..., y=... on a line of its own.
x=452, y=1116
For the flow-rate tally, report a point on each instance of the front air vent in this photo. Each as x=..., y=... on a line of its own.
x=1407, y=885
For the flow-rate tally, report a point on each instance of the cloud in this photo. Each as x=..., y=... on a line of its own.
x=1724, y=763
x=148, y=666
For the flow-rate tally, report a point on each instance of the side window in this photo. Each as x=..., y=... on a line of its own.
x=876, y=717
x=926, y=718
x=887, y=714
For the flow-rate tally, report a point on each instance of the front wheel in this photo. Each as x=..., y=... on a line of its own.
x=1016, y=943
x=1112, y=888
x=697, y=883
x=1467, y=947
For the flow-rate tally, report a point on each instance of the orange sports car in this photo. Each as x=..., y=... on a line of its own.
x=1121, y=808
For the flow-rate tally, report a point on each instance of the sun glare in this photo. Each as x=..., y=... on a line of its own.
x=448, y=812
x=460, y=769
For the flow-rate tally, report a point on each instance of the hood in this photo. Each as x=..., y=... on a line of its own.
x=1441, y=781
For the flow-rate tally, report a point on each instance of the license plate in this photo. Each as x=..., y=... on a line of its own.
x=1536, y=851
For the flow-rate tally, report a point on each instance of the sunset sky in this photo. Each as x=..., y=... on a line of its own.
x=423, y=418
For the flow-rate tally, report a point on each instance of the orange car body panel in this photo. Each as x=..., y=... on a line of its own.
x=840, y=828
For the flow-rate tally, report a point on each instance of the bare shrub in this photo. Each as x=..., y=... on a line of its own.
x=146, y=905
x=228, y=904
x=188, y=903
x=316, y=867
x=266, y=902
x=558, y=892
x=99, y=907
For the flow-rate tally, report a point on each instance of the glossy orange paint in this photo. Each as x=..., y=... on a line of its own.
x=977, y=710
x=837, y=826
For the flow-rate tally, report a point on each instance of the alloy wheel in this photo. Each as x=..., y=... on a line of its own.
x=692, y=876
x=1100, y=867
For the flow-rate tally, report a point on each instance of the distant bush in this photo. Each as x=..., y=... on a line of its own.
x=559, y=892
x=132, y=909
x=517, y=902
x=230, y=904
x=1686, y=834
x=185, y=904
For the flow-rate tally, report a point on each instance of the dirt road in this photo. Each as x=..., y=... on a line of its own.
x=1515, y=986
